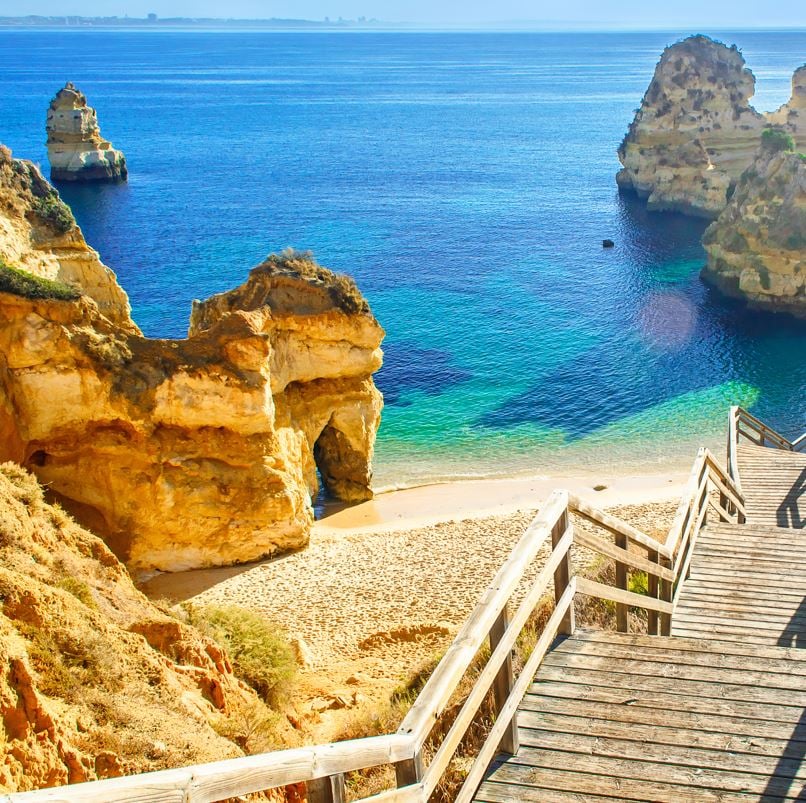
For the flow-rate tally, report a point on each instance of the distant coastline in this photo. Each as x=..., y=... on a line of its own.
x=154, y=22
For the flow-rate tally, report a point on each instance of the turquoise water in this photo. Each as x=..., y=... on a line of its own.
x=466, y=181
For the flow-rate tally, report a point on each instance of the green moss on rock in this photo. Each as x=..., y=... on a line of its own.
x=21, y=283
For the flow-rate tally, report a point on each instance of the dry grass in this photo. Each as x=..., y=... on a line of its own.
x=342, y=289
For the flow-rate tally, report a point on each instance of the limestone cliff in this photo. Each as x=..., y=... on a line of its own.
x=96, y=680
x=39, y=235
x=757, y=247
x=195, y=452
x=696, y=131
x=76, y=149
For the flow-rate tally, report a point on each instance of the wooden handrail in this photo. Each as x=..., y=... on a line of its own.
x=437, y=692
x=666, y=564
x=764, y=434
x=205, y=783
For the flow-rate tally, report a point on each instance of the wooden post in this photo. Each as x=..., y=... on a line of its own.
x=666, y=592
x=652, y=588
x=622, y=618
x=562, y=576
x=504, y=681
x=409, y=772
x=330, y=789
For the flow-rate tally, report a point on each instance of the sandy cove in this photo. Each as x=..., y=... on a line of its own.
x=384, y=585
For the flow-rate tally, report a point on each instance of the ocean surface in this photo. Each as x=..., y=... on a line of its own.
x=466, y=181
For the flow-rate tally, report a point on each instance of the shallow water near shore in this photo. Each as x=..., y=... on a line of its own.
x=466, y=181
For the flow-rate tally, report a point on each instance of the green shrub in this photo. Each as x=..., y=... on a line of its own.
x=79, y=589
x=638, y=582
x=260, y=652
x=22, y=283
x=54, y=211
x=775, y=140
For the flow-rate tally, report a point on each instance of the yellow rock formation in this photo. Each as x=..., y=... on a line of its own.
x=185, y=453
x=97, y=681
x=76, y=149
x=696, y=131
x=757, y=247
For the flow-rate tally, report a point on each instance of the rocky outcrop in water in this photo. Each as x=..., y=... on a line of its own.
x=182, y=453
x=696, y=131
x=757, y=247
x=76, y=149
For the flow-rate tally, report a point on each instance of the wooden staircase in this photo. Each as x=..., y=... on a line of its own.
x=613, y=717
x=717, y=711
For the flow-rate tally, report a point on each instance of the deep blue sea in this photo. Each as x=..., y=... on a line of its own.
x=466, y=181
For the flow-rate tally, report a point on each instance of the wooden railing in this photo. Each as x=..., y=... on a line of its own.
x=745, y=425
x=495, y=622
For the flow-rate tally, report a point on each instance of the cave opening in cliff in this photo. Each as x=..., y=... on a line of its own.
x=326, y=457
x=342, y=466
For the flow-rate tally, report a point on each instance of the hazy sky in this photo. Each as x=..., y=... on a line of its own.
x=725, y=14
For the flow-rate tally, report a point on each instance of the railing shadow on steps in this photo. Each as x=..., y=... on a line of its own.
x=494, y=621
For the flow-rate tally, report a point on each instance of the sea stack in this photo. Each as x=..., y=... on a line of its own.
x=76, y=149
x=757, y=247
x=696, y=131
x=181, y=454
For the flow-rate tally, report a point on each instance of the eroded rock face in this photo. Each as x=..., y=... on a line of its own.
x=196, y=452
x=757, y=247
x=76, y=149
x=696, y=131
x=96, y=681
x=39, y=235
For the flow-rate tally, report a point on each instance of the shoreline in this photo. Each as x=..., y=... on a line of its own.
x=465, y=499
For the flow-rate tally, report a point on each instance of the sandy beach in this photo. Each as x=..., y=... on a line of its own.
x=384, y=585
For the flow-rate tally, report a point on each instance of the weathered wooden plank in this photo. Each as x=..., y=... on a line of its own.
x=724, y=590
x=716, y=612
x=636, y=667
x=611, y=550
x=531, y=764
x=594, y=589
x=205, y=783
x=557, y=713
x=644, y=642
x=705, y=656
x=695, y=632
x=539, y=786
x=491, y=792
x=723, y=611
x=627, y=696
x=669, y=733
x=726, y=627
x=681, y=687
x=678, y=754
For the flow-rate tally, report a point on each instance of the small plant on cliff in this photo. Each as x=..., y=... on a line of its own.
x=774, y=140
x=261, y=655
x=342, y=289
x=79, y=589
x=54, y=211
x=22, y=283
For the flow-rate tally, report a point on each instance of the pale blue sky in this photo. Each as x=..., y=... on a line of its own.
x=694, y=14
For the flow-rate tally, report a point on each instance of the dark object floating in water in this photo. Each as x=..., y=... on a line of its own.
x=607, y=243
